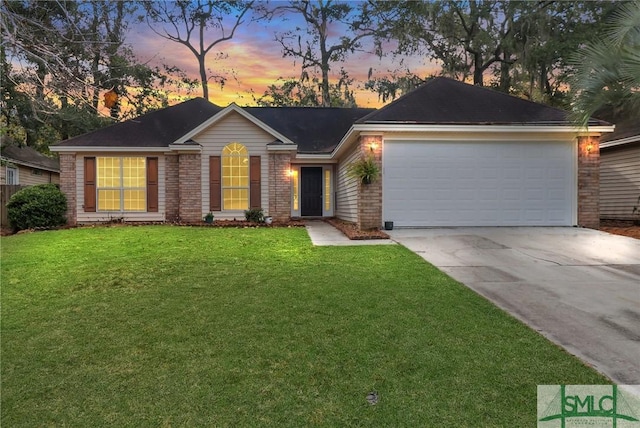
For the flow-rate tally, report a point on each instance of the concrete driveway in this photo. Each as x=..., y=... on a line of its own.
x=578, y=287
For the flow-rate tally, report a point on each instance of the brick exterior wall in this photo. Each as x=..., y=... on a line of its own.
x=370, y=195
x=589, y=182
x=68, y=185
x=280, y=185
x=190, y=188
x=172, y=188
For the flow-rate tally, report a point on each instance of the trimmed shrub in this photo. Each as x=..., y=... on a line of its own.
x=41, y=206
x=255, y=215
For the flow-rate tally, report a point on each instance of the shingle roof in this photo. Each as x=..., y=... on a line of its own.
x=156, y=129
x=319, y=130
x=29, y=156
x=313, y=129
x=625, y=129
x=446, y=101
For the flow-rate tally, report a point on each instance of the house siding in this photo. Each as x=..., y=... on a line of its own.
x=346, y=199
x=104, y=216
x=27, y=176
x=619, y=181
x=234, y=128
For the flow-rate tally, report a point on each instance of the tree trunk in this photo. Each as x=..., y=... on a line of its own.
x=326, y=96
x=478, y=69
x=203, y=77
x=505, y=76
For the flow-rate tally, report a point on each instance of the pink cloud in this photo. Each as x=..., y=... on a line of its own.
x=253, y=61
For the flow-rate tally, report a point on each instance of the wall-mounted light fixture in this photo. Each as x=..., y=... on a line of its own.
x=373, y=146
x=291, y=172
x=589, y=147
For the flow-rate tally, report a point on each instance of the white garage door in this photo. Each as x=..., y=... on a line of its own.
x=478, y=183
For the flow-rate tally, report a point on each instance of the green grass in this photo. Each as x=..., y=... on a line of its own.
x=177, y=326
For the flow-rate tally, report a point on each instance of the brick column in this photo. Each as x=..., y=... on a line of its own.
x=370, y=195
x=280, y=185
x=172, y=188
x=190, y=188
x=68, y=185
x=589, y=182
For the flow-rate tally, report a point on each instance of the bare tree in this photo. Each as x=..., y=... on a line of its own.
x=57, y=59
x=190, y=23
x=323, y=47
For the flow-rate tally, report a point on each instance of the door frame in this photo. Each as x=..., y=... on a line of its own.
x=328, y=189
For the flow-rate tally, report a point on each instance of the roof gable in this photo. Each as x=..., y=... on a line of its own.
x=156, y=129
x=445, y=101
x=233, y=108
x=26, y=155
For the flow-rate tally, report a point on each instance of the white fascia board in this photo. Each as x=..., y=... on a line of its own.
x=74, y=149
x=384, y=129
x=314, y=158
x=620, y=142
x=282, y=147
x=233, y=107
x=345, y=142
x=189, y=148
x=396, y=127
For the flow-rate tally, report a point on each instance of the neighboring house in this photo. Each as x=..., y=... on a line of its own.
x=620, y=172
x=452, y=154
x=25, y=166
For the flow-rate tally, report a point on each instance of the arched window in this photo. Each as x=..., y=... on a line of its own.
x=235, y=177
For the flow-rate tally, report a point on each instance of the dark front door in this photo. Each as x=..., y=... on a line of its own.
x=311, y=191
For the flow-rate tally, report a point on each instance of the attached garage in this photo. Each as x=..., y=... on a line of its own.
x=454, y=154
x=479, y=183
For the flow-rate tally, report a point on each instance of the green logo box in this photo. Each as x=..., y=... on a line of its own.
x=572, y=406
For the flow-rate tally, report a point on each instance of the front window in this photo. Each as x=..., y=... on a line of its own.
x=235, y=177
x=12, y=175
x=121, y=183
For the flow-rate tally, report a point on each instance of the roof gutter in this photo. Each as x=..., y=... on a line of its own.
x=29, y=164
x=406, y=127
x=620, y=142
x=74, y=149
x=386, y=128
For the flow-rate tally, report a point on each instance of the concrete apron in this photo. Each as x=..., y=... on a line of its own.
x=580, y=288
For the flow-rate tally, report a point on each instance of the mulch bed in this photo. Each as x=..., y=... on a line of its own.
x=618, y=227
x=352, y=232
x=238, y=224
x=244, y=224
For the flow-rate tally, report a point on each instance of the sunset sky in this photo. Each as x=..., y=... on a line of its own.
x=257, y=60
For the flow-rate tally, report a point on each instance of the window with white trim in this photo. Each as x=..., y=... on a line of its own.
x=121, y=183
x=12, y=175
x=235, y=177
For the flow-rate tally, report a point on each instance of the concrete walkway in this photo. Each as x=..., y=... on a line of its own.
x=323, y=234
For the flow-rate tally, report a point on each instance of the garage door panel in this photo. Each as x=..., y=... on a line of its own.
x=478, y=184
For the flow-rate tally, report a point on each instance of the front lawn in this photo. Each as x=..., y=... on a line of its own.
x=178, y=326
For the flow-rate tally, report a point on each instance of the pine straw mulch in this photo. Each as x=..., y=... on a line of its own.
x=618, y=227
x=352, y=232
